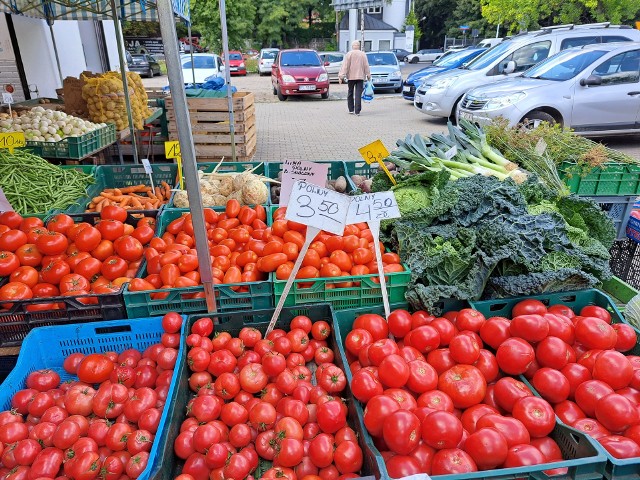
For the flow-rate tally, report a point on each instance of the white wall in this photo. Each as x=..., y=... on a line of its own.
x=369, y=35
x=112, y=44
x=37, y=55
x=8, y=68
x=394, y=13
x=90, y=46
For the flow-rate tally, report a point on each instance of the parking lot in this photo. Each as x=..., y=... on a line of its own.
x=308, y=128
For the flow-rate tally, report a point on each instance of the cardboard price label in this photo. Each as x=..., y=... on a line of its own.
x=318, y=207
x=373, y=207
x=12, y=140
x=310, y=172
x=147, y=166
x=7, y=97
x=172, y=149
x=376, y=152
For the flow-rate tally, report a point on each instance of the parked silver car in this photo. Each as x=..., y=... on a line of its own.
x=385, y=71
x=440, y=94
x=265, y=60
x=424, y=55
x=332, y=63
x=594, y=90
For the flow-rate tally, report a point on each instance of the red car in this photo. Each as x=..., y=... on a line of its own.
x=236, y=63
x=299, y=72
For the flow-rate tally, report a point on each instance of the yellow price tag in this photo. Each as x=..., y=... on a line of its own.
x=12, y=140
x=638, y=25
x=172, y=150
x=376, y=152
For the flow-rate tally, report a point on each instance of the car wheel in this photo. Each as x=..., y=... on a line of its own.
x=398, y=90
x=281, y=97
x=414, y=60
x=324, y=96
x=453, y=117
x=532, y=120
x=275, y=92
x=405, y=59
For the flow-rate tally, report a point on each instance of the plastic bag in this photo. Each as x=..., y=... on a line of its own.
x=367, y=92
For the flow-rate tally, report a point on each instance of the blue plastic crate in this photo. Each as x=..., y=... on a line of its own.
x=47, y=347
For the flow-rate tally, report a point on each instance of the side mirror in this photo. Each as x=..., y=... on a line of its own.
x=591, y=81
x=510, y=67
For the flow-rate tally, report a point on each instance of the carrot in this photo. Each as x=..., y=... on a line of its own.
x=167, y=189
x=159, y=193
x=135, y=203
x=125, y=201
x=115, y=198
x=117, y=191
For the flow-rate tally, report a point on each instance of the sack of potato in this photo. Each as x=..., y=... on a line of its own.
x=105, y=99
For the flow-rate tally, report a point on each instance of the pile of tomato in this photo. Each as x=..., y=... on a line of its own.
x=256, y=402
x=65, y=258
x=101, y=425
x=439, y=398
x=350, y=254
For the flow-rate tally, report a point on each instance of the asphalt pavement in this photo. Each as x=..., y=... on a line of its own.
x=309, y=128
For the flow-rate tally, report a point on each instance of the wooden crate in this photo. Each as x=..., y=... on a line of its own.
x=211, y=129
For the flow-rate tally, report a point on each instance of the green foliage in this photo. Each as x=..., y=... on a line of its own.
x=412, y=19
x=478, y=237
x=241, y=14
x=140, y=29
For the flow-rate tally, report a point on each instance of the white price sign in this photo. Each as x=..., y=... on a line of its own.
x=147, y=166
x=318, y=207
x=373, y=206
x=7, y=98
x=310, y=172
x=449, y=154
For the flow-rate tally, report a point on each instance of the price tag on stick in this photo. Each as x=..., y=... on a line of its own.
x=376, y=152
x=12, y=140
x=372, y=208
x=319, y=209
x=149, y=171
x=310, y=172
x=172, y=150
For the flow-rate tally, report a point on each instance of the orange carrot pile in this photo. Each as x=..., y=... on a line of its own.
x=136, y=197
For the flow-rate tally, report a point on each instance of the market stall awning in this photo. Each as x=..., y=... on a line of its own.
x=52, y=10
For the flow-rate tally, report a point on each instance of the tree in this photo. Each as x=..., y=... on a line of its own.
x=413, y=21
x=241, y=14
x=435, y=14
x=468, y=12
x=529, y=14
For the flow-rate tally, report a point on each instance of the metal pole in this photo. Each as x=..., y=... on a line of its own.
x=498, y=31
x=227, y=76
x=362, y=28
x=125, y=83
x=188, y=151
x=193, y=68
x=55, y=50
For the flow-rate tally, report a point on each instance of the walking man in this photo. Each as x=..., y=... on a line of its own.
x=355, y=69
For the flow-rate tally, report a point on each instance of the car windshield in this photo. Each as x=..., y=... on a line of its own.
x=457, y=58
x=299, y=59
x=200, y=62
x=138, y=58
x=490, y=56
x=382, y=59
x=269, y=55
x=235, y=56
x=565, y=65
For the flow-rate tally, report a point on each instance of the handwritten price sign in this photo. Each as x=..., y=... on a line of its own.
x=172, y=150
x=318, y=207
x=373, y=207
x=310, y=172
x=12, y=140
x=376, y=152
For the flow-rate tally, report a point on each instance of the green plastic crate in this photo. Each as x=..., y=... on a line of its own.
x=337, y=168
x=227, y=167
x=619, y=291
x=166, y=465
x=609, y=180
x=76, y=148
x=260, y=294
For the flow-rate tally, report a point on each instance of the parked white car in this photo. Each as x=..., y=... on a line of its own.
x=425, y=55
x=332, y=63
x=594, y=90
x=205, y=65
x=265, y=60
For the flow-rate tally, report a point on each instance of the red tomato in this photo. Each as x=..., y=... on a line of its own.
x=13, y=239
x=9, y=263
x=552, y=385
x=613, y=368
x=442, y=430
x=452, y=460
x=620, y=447
x=588, y=393
x=536, y=415
x=523, y=455
x=513, y=430
x=374, y=324
x=95, y=368
x=616, y=413
x=595, y=333
x=529, y=307
x=487, y=447
x=465, y=384
x=514, y=356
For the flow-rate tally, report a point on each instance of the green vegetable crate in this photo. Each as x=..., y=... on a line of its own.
x=46, y=348
x=337, y=168
x=619, y=291
x=76, y=148
x=226, y=167
x=583, y=459
x=610, y=179
x=360, y=167
x=167, y=466
x=142, y=303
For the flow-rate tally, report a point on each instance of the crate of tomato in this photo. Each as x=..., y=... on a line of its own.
x=98, y=372
x=170, y=281
x=69, y=269
x=431, y=400
x=310, y=376
x=340, y=270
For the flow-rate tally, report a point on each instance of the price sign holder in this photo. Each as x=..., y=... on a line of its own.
x=319, y=209
x=172, y=150
x=149, y=171
x=373, y=208
x=7, y=97
x=12, y=140
x=376, y=152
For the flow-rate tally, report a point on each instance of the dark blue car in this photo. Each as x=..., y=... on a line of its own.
x=447, y=62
